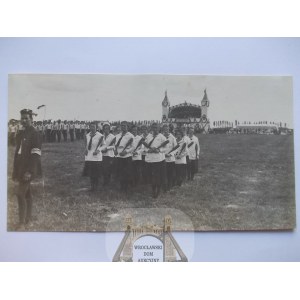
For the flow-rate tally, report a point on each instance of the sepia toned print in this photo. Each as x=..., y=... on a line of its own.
x=82, y=149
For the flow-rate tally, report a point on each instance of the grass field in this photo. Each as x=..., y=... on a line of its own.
x=245, y=182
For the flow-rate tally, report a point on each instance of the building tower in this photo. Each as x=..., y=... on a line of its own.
x=168, y=223
x=170, y=253
x=165, y=107
x=204, y=106
x=128, y=222
x=127, y=250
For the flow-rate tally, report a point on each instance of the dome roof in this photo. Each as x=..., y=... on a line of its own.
x=185, y=110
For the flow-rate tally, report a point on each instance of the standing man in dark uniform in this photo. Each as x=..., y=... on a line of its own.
x=27, y=165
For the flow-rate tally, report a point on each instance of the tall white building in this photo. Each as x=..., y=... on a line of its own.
x=204, y=106
x=165, y=107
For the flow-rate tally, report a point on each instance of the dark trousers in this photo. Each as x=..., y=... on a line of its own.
x=125, y=172
x=77, y=133
x=144, y=170
x=82, y=133
x=107, y=169
x=186, y=171
x=65, y=135
x=192, y=168
x=180, y=173
x=136, y=171
x=94, y=183
x=72, y=135
x=11, y=139
x=41, y=136
x=48, y=135
x=115, y=168
x=156, y=172
x=58, y=133
x=53, y=136
x=171, y=175
x=24, y=202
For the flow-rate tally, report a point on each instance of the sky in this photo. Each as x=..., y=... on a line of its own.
x=139, y=97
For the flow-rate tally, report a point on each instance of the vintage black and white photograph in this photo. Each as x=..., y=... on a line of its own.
x=83, y=149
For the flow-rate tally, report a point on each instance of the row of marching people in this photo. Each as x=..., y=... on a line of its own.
x=154, y=156
x=51, y=131
x=57, y=131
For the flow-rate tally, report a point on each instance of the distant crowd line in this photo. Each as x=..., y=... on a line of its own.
x=57, y=131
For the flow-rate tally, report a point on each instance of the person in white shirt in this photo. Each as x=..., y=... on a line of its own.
x=48, y=128
x=72, y=130
x=77, y=130
x=94, y=144
x=194, y=151
x=53, y=132
x=123, y=153
x=108, y=153
x=144, y=170
x=117, y=130
x=154, y=158
x=187, y=141
x=65, y=128
x=58, y=130
x=82, y=130
x=12, y=133
x=44, y=124
x=39, y=129
x=180, y=158
x=136, y=156
x=170, y=157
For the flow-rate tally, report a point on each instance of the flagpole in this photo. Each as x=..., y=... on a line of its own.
x=45, y=108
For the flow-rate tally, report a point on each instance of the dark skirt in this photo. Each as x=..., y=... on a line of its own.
x=92, y=168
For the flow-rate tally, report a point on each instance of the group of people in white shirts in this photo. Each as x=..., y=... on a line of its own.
x=141, y=156
x=52, y=131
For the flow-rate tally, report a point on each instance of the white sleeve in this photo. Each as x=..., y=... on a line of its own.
x=103, y=144
x=130, y=147
x=197, y=143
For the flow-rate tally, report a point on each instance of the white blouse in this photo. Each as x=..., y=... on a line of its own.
x=95, y=141
x=125, y=139
x=192, y=150
x=156, y=142
x=139, y=150
x=181, y=158
x=110, y=149
x=169, y=147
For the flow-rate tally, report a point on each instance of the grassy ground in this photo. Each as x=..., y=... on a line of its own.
x=245, y=182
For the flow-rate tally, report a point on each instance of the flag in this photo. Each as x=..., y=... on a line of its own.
x=41, y=106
